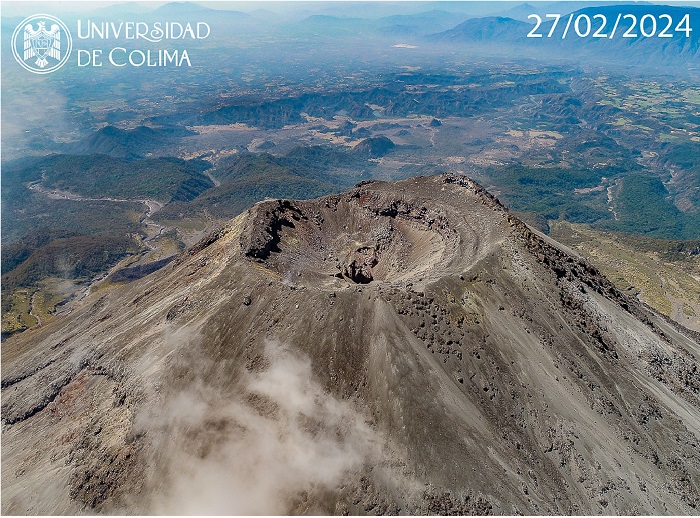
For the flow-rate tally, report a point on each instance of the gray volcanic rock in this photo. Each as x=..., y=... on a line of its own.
x=405, y=347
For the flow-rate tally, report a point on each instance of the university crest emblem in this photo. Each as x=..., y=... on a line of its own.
x=41, y=43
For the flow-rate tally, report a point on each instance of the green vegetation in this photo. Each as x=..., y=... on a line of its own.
x=304, y=172
x=549, y=192
x=132, y=143
x=26, y=212
x=23, y=308
x=685, y=155
x=28, y=296
x=643, y=206
x=237, y=195
x=69, y=258
x=163, y=179
x=14, y=254
x=38, y=214
x=16, y=311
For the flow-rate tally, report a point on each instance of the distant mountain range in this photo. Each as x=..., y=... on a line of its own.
x=497, y=29
x=522, y=11
x=456, y=23
x=511, y=35
x=421, y=23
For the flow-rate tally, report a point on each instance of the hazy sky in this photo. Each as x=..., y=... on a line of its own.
x=86, y=6
x=17, y=8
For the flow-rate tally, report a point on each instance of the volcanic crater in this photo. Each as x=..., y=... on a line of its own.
x=406, y=347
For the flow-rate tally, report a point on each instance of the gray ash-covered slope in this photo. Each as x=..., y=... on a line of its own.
x=405, y=347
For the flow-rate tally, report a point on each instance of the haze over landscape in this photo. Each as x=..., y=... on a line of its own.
x=362, y=257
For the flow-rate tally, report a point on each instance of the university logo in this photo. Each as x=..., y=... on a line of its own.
x=41, y=43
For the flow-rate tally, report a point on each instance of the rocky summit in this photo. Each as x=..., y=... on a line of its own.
x=404, y=347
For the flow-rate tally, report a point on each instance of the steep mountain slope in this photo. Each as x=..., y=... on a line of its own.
x=406, y=347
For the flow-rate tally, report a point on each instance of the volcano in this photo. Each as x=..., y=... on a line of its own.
x=406, y=347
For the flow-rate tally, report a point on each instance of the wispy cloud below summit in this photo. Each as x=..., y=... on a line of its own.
x=284, y=437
